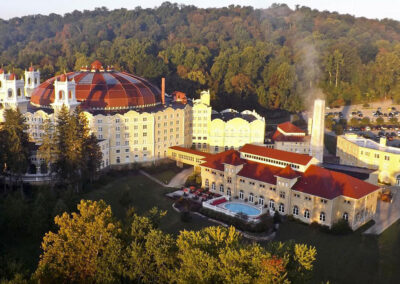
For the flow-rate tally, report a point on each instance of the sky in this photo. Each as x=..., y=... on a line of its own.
x=374, y=9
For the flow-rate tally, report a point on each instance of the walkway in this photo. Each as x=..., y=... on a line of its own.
x=152, y=178
x=180, y=179
x=386, y=214
x=177, y=181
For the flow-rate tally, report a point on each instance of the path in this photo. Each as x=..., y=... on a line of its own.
x=152, y=178
x=386, y=214
x=177, y=181
x=180, y=179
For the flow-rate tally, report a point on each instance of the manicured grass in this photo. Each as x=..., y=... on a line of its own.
x=353, y=258
x=143, y=194
x=165, y=176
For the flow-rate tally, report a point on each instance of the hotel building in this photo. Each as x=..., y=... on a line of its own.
x=358, y=151
x=290, y=183
x=219, y=131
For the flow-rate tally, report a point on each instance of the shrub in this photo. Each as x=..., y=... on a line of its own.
x=341, y=227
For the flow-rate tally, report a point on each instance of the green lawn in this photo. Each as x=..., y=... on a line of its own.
x=141, y=193
x=165, y=176
x=353, y=258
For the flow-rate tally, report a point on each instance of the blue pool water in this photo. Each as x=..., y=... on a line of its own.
x=246, y=209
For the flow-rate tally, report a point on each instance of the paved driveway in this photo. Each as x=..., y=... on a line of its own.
x=180, y=179
x=386, y=214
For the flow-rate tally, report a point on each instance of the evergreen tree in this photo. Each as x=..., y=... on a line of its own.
x=15, y=144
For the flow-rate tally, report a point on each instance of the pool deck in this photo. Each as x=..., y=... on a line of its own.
x=221, y=208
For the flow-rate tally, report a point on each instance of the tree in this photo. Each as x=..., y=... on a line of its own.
x=85, y=249
x=150, y=256
x=15, y=144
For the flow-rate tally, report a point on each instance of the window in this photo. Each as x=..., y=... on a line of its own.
x=272, y=204
x=221, y=188
x=346, y=216
x=213, y=186
x=295, y=210
x=297, y=195
x=322, y=217
x=228, y=191
x=307, y=214
x=118, y=160
x=261, y=200
x=206, y=183
x=282, y=194
x=324, y=201
x=307, y=198
x=281, y=208
x=241, y=195
x=251, y=197
x=229, y=180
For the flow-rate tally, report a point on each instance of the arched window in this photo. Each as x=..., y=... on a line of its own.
x=207, y=184
x=221, y=188
x=322, y=217
x=10, y=93
x=29, y=81
x=281, y=208
x=228, y=191
x=251, y=197
x=307, y=214
x=346, y=216
x=272, y=204
x=213, y=186
x=18, y=92
x=261, y=200
x=118, y=160
x=295, y=210
x=241, y=194
x=61, y=95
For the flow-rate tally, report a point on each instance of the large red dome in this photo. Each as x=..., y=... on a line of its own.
x=100, y=88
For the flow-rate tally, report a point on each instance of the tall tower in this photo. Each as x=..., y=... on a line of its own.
x=317, y=130
x=32, y=80
x=64, y=93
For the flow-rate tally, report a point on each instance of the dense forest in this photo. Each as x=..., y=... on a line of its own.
x=249, y=58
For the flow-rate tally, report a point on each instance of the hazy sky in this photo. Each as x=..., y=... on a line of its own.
x=368, y=8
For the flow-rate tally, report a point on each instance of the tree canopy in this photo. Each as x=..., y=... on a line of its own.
x=249, y=58
x=90, y=246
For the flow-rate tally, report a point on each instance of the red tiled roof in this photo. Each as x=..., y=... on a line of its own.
x=108, y=89
x=315, y=180
x=289, y=127
x=330, y=184
x=279, y=136
x=288, y=173
x=190, y=151
x=276, y=154
x=217, y=161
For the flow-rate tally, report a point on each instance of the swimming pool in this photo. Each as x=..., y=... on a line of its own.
x=242, y=208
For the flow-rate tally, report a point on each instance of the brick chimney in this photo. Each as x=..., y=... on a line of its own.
x=163, y=90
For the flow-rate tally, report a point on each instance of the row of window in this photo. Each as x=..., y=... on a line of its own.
x=272, y=161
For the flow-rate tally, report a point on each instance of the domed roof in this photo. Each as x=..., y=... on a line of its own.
x=101, y=89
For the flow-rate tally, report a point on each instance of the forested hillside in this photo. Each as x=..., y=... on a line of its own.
x=249, y=58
